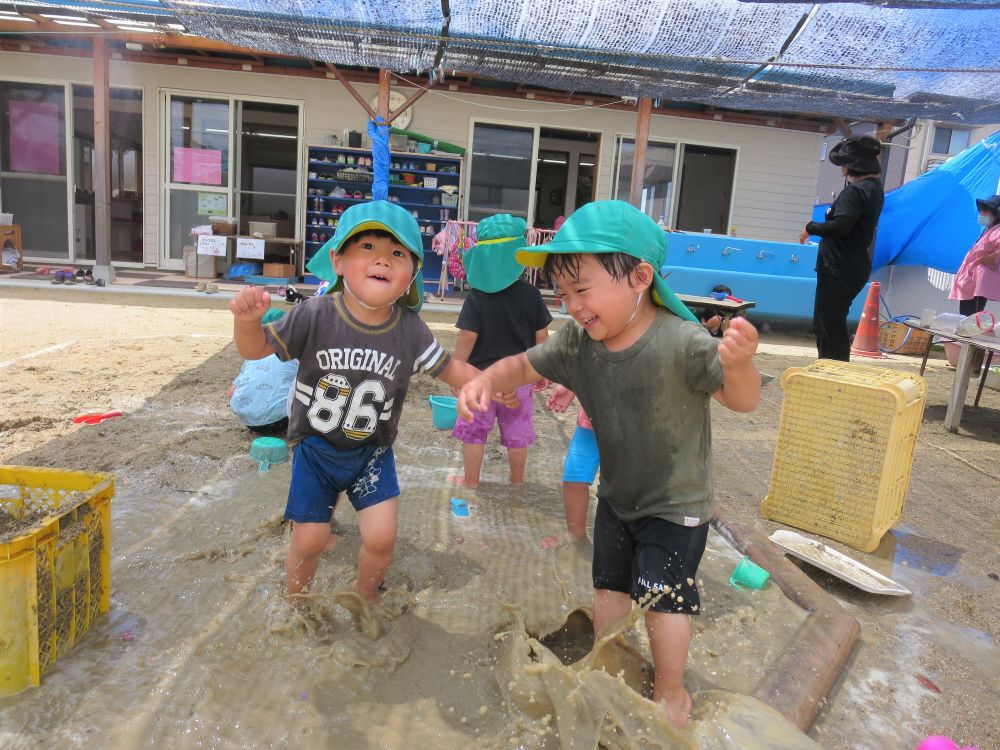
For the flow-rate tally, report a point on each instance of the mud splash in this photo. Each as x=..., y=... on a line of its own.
x=601, y=700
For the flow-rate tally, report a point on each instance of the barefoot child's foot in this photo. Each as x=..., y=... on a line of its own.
x=677, y=707
x=459, y=479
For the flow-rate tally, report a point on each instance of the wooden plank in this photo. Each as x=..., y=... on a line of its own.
x=644, y=110
x=102, y=159
x=799, y=681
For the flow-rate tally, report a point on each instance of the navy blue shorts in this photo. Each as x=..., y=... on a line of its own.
x=649, y=556
x=321, y=472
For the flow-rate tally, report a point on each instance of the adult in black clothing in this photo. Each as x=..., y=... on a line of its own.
x=847, y=239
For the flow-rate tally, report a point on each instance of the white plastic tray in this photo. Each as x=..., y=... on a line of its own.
x=837, y=564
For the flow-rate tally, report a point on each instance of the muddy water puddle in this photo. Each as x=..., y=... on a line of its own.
x=484, y=636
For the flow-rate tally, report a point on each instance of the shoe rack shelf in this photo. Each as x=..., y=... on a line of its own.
x=339, y=177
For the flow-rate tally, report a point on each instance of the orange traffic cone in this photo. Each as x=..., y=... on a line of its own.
x=866, y=337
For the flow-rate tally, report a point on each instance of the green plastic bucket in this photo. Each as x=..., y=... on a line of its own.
x=268, y=450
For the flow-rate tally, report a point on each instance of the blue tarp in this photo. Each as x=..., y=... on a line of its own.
x=931, y=221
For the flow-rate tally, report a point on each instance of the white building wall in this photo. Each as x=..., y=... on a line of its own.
x=776, y=169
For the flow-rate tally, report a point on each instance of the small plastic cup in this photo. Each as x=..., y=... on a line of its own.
x=749, y=574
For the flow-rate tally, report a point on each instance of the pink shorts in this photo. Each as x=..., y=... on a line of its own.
x=517, y=428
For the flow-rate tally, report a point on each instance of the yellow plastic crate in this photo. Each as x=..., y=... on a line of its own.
x=845, y=449
x=55, y=573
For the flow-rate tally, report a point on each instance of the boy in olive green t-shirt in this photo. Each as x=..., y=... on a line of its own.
x=644, y=369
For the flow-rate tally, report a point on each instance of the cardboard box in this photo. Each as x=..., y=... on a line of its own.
x=279, y=270
x=198, y=266
x=224, y=225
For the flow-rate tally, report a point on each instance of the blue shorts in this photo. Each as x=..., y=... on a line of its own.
x=321, y=472
x=582, y=459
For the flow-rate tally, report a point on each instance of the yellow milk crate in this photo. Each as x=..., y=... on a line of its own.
x=55, y=566
x=845, y=448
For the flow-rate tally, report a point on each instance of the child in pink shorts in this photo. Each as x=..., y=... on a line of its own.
x=502, y=316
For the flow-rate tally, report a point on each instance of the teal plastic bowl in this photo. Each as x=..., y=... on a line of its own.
x=268, y=450
x=444, y=411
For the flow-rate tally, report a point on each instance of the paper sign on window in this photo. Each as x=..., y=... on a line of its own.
x=247, y=247
x=212, y=204
x=199, y=166
x=34, y=137
x=211, y=245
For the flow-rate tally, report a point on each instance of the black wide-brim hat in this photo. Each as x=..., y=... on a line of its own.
x=991, y=204
x=859, y=153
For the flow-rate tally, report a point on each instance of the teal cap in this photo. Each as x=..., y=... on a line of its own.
x=389, y=217
x=613, y=227
x=490, y=263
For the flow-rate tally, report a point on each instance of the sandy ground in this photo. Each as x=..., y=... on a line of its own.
x=927, y=664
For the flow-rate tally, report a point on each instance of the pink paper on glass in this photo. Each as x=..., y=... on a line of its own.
x=34, y=137
x=201, y=166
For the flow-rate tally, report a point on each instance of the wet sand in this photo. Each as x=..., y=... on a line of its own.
x=186, y=658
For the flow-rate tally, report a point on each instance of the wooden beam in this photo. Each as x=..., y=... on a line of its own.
x=102, y=161
x=842, y=126
x=644, y=109
x=406, y=105
x=383, y=95
x=351, y=90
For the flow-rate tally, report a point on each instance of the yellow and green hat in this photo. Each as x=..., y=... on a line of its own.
x=613, y=227
x=490, y=264
x=389, y=217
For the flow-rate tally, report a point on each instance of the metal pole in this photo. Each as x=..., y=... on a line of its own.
x=645, y=108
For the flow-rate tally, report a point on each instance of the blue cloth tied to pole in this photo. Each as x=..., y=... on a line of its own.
x=378, y=131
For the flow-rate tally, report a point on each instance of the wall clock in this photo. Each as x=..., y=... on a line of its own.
x=396, y=99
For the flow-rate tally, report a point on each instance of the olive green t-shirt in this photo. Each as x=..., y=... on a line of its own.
x=650, y=407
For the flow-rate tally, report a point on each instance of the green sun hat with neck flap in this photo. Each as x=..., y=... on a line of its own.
x=613, y=227
x=490, y=264
x=389, y=217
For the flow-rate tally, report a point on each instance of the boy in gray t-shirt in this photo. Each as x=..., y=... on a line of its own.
x=645, y=377
x=357, y=349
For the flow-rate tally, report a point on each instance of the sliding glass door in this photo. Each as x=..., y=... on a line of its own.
x=689, y=186
x=197, y=168
x=33, y=167
x=126, y=175
x=502, y=174
x=229, y=157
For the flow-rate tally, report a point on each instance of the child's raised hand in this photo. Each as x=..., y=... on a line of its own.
x=739, y=343
x=250, y=304
x=560, y=399
x=476, y=396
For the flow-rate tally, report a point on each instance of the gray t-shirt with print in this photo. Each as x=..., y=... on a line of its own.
x=650, y=405
x=352, y=378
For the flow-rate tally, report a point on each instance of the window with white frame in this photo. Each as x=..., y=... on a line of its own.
x=949, y=141
x=689, y=187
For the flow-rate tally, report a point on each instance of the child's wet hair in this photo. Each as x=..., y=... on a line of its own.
x=618, y=265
